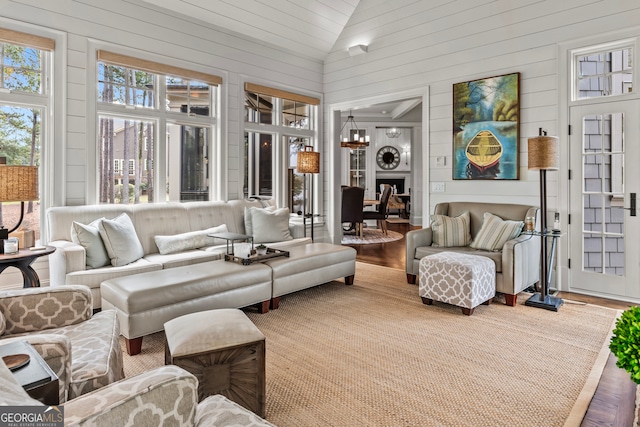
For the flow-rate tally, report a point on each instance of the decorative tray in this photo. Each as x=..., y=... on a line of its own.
x=254, y=257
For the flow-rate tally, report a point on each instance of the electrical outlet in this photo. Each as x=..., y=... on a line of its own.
x=437, y=187
x=441, y=161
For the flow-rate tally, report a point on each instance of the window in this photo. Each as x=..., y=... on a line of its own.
x=25, y=97
x=603, y=71
x=142, y=106
x=278, y=124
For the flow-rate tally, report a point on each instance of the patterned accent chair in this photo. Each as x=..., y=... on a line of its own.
x=81, y=348
x=164, y=396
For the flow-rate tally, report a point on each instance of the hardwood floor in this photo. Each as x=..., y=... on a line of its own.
x=614, y=401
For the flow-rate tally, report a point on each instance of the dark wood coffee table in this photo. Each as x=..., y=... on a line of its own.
x=36, y=377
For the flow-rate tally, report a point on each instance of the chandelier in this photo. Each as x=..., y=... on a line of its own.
x=393, y=132
x=354, y=137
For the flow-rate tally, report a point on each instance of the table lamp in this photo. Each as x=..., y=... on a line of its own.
x=17, y=184
x=308, y=162
x=543, y=156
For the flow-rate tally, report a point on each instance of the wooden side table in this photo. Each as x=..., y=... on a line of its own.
x=22, y=260
x=36, y=377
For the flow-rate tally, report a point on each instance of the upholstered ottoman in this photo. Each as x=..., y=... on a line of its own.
x=145, y=301
x=224, y=350
x=459, y=279
x=311, y=265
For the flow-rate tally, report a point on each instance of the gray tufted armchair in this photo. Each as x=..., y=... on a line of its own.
x=81, y=348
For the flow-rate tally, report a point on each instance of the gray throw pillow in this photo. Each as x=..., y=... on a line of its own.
x=268, y=225
x=450, y=231
x=120, y=240
x=495, y=232
x=88, y=236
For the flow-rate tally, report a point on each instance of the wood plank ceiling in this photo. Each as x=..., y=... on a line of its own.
x=307, y=27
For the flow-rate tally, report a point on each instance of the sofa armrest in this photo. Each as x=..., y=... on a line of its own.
x=416, y=239
x=520, y=263
x=55, y=349
x=217, y=410
x=163, y=396
x=67, y=258
x=38, y=309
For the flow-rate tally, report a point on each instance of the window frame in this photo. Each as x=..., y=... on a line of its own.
x=52, y=177
x=280, y=133
x=576, y=53
x=158, y=114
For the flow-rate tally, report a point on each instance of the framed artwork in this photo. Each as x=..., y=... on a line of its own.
x=486, y=128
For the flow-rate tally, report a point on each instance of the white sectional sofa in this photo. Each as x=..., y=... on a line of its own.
x=68, y=264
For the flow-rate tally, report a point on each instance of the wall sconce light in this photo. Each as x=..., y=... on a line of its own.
x=406, y=150
x=358, y=49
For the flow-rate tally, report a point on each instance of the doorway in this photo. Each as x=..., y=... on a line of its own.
x=604, y=233
x=334, y=152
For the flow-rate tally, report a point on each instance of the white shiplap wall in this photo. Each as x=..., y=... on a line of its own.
x=436, y=43
x=183, y=41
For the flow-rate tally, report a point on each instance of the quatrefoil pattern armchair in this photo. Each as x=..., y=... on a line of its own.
x=81, y=348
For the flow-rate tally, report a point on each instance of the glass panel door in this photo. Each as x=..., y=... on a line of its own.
x=603, y=234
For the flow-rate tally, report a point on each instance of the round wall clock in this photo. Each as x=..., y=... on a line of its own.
x=388, y=157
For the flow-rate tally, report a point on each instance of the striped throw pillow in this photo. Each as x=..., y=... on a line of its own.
x=495, y=232
x=450, y=231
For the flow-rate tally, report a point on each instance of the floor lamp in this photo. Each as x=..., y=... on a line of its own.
x=543, y=156
x=308, y=162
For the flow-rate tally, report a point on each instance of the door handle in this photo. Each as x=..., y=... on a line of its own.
x=632, y=208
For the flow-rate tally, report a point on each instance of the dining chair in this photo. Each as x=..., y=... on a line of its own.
x=381, y=213
x=352, y=207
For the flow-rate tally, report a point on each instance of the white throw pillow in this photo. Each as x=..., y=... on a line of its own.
x=120, y=239
x=495, y=232
x=268, y=225
x=88, y=236
x=248, y=218
x=450, y=231
x=190, y=240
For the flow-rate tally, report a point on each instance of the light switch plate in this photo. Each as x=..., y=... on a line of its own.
x=437, y=187
x=441, y=161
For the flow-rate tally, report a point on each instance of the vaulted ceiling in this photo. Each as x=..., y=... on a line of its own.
x=307, y=27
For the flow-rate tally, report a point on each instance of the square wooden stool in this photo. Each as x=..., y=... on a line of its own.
x=224, y=350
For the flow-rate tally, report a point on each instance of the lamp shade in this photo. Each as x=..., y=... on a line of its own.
x=18, y=183
x=544, y=153
x=308, y=161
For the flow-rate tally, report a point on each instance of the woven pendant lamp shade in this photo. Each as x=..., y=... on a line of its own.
x=18, y=183
x=544, y=153
x=308, y=161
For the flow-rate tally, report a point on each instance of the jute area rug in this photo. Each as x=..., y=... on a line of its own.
x=372, y=354
x=371, y=236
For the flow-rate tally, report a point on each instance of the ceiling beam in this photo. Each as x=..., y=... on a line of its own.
x=404, y=108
